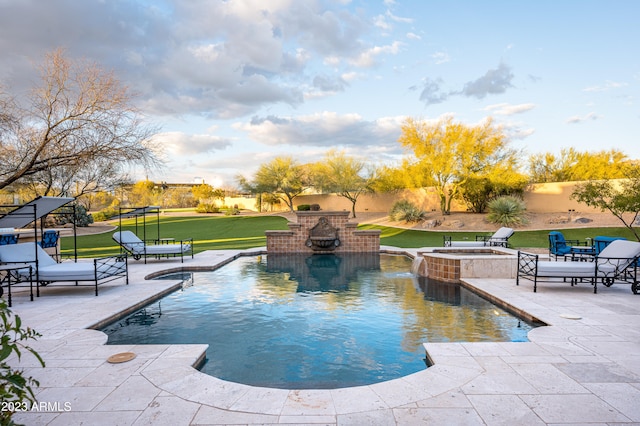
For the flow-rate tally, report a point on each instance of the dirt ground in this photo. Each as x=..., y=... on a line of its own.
x=456, y=221
x=478, y=222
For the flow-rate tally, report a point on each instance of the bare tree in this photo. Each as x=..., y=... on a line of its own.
x=77, y=119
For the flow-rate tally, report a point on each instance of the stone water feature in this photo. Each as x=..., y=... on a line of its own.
x=323, y=232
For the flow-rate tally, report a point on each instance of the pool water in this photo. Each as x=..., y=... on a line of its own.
x=315, y=322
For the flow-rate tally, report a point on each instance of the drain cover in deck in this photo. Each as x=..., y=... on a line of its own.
x=121, y=357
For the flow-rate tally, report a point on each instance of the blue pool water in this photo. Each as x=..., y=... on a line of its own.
x=312, y=322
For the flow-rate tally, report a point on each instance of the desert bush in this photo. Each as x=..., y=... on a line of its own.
x=207, y=208
x=407, y=211
x=16, y=391
x=104, y=214
x=82, y=218
x=304, y=207
x=232, y=211
x=507, y=211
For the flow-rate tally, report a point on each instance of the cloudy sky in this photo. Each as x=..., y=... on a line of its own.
x=236, y=83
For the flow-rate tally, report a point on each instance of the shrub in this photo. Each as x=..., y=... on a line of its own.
x=315, y=207
x=82, y=218
x=304, y=207
x=207, y=208
x=231, y=211
x=15, y=388
x=507, y=211
x=104, y=214
x=407, y=211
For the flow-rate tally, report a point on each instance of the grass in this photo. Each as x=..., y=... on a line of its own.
x=243, y=232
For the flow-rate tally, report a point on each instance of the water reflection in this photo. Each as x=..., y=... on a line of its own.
x=323, y=272
x=320, y=321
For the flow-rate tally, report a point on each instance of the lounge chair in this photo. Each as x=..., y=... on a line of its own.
x=47, y=270
x=615, y=263
x=499, y=239
x=139, y=249
x=561, y=247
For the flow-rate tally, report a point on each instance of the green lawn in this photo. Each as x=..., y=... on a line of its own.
x=242, y=232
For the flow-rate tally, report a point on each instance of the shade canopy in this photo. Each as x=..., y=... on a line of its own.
x=32, y=211
x=137, y=211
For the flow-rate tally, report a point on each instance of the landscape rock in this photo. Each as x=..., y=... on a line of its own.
x=582, y=220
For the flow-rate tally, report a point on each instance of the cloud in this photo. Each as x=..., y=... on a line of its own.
x=495, y=81
x=609, y=85
x=431, y=93
x=216, y=59
x=368, y=58
x=508, y=109
x=177, y=143
x=592, y=116
x=440, y=58
x=324, y=129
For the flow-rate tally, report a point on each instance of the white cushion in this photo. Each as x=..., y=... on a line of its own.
x=167, y=249
x=25, y=252
x=502, y=234
x=566, y=269
x=467, y=244
x=135, y=245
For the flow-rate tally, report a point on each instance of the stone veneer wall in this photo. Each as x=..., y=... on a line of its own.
x=443, y=269
x=352, y=240
x=450, y=268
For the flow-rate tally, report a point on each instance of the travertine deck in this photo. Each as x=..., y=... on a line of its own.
x=584, y=371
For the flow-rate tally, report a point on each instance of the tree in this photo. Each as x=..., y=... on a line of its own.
x=282, y=178
x=143, y=193
x=448, y=153
x=478, y=191
x=572, y=165
x=620, y=198
x=78, y=118
x=205, y=192
x=344, y=176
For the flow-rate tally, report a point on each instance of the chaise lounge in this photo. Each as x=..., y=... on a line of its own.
x=139, y=249
x=46, y=270
x=615, y=263
x=499, y=239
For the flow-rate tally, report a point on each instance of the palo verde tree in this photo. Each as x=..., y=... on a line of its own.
x=447, y=153
x=620, y=197
x=344, y=176
x=573, y=165
x=282, y=178
x=77, y=118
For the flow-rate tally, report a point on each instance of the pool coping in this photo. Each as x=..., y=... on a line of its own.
x=77, y=367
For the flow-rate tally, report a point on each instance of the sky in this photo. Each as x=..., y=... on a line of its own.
x=232, y=84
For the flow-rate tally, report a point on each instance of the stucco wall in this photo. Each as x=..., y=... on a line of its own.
x=539, y=198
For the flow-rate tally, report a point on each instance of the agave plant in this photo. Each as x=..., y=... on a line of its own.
x=507, y=211
x=407, y=211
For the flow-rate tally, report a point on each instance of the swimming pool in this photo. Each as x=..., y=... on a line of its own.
x=313, y=322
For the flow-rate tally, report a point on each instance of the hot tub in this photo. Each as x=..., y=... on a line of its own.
x=450, y=264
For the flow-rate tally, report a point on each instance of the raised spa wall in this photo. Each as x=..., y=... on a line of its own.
x=451, y=264
x=296, y=239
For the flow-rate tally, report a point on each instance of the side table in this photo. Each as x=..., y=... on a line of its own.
x=7, y=268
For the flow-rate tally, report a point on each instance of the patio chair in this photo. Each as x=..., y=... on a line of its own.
x=46, y=270
x=616, y=263
x=6, y=239
x=50, y=240
x=499, y=239
x=561, y=247
x=139, y=249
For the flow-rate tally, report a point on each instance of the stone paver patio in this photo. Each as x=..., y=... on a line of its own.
x=575, y=371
